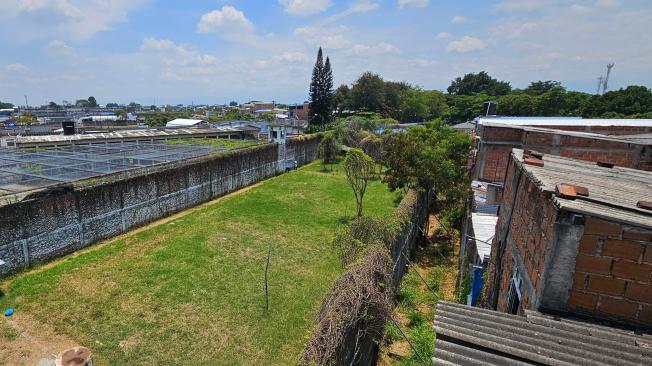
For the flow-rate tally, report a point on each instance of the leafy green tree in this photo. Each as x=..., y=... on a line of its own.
x=4, y=105
x=436, y=104
x=394, y=94
x=121, y=114
x=368, y=93
x=321, y=91
x=27, y=118
x=82, y=103
x=517, y=105
x=233, y=103
x=541, y=87
x=342, y=98
x=466, y=107
x=429, y=158
x=413, y=105
x=480, y=83
x=92, y=102
x=328, y=149
x=358, y=167
x=112, y=105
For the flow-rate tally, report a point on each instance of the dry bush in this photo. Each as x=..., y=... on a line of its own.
x=358, y=305
x=351, y=240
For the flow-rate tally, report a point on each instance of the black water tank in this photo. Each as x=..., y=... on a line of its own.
x=68, y=128
x=489, y=108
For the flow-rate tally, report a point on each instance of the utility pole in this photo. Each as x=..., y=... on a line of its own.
x=606, y=79
x=26, y=104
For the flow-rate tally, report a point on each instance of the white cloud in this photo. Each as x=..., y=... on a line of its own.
x=355, y=8
x=18, y=68
x=230, y=22
x=607, y=3
x=175, y=54
x=380, y=48
x=329, y=38
x=61, y=7
x=58, y=48
x=443, y=35
x=64, y=19
x=458, y=19
x=514, y=29
x=465, y=44
x=304, y=7
x=519, y=5
x=416, y=3
x=292, y=57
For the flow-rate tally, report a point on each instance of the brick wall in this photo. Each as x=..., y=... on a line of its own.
x=612, y=277
x=529, y=234
x=497, y=142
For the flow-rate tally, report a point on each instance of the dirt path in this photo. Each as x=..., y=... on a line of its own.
x=25, y=341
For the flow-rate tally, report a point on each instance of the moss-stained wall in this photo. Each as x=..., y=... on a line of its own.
x=54, y=225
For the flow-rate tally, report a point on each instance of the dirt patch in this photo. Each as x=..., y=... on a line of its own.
x=33, y=342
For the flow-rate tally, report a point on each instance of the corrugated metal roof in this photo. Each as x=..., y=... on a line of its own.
x=564, y=121
x=613, y=192
x=484, y=228
x=644, y=138
x=468, y=335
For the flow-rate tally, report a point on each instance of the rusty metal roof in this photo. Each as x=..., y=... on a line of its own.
x=467, y=335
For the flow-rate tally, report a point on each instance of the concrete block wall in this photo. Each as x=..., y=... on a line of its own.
x=52, y=226
x=613, y=272
x=497, y=142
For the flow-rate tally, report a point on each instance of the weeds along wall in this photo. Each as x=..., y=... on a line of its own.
x=353, y=314
x=56, y=224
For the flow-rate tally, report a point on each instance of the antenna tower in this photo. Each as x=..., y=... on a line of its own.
x=606, y=79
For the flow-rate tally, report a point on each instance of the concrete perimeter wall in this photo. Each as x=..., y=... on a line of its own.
x=58, y=224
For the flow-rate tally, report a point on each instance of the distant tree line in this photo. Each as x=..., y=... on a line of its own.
x=405, y=102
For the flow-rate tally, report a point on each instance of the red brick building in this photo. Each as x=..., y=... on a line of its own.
x=579, y=139
x=300, y=111
x=573, y=238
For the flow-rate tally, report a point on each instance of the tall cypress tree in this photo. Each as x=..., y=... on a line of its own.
x=327, y=96
x=321, y=91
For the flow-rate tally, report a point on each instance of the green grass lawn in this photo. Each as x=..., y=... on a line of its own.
x=190, y=291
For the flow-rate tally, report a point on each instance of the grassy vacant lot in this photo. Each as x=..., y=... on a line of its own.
x=190, y=291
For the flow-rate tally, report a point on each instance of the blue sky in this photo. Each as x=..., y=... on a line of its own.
x=212, y=51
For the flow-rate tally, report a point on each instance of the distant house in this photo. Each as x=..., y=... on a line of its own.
x=185, y=123
x=300, y=112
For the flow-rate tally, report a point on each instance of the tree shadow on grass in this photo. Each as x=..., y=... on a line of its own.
x=345, y=220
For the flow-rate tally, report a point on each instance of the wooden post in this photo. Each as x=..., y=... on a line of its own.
x=269, y=253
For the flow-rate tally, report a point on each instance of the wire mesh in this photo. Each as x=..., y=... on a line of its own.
x=28, y=169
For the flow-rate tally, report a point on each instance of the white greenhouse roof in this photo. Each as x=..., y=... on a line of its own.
x=184, y=122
